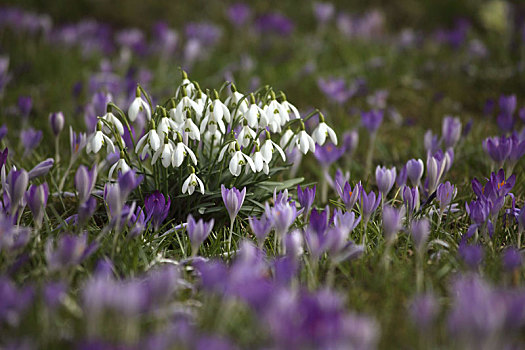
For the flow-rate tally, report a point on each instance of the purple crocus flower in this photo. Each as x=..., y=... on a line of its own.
x=392, y=222
x=198, y=232
x=420, y=230
x=85, y=182
x=306, y=197
x=350, y=195
x=86, y=210
x=3, y=157
x=512, y=259
x=30, y=139
x=401, y=178
x=41, y=169
x=233, y=200
x=345, y=222
x=128, y=182
x=36, y=198
x=411, y=199
x=260, y=228
x=431, y=142
x=415, y=168
x=350, y=141
x=282, y=216
x=328, y=154
x=54, y=293
x=369, y=203
x=3, y=131
x=423, y=311
x=25, y=104
x=507, y=105
x=385, y=179
x=56, y=121
x=445, y=193
x=274, y=22
x=157, y=208
x=472, y=255
x=451, y=131
x=17, y=181
x=323, y=11
x=372, y=120
x=69, y=251
x=335, y=89
x=498, y=148
x=77, y=142
x=436, y=167
x=239, y=13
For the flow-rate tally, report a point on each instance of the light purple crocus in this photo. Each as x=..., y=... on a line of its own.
x=239, y=13
x=30, y=139
x=445, y=193
x=260, y=228
x=323, y=11
x=420, y=230
x=385, y=179
x=415, y=168
x=25, y=104
x=69, y=251
x=85, y=182
x=411, y=199
x=17, y=181
x=198, y=231
x=41, y=169
x=157, y=208
x=451, y=131
x=372, y=120
x=349, y=195
x=233, y=200
x=306, y=198
x=56, y=121
x=392, y=222
x=369, y=203
x=36, y=198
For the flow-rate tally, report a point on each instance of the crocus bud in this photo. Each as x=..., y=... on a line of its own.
x=451, y=131
x=420, y=230
x=85, y=182
x=198, y=231
x=41, y=168
x=17, y=180
x=56, y=120
x=415, y=169
x=86, y=210
x=385, y=179
x=36, y=198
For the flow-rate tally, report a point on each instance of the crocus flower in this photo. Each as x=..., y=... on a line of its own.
x=444, y=195
x=282, y=216
x=415, y=168
x=385, y=179
x=350, y=141
x=411, y=199
x=69, y=251
x=423, y=311
x=345, y=222
x=260, y=228
x=436, y=165
x=239, y=13
x=323, y=11
x=451, y=131
x=306, y=197
x=3, y=157
x=392, y=222
x=25, y=104
x=371, y=120
x=17, y=181
x=128, y=181
x=86, y=210
x=85, y=182
x=512, y=259
x=350, y=195
x=472, y=255
x=431, y=142
x=498, y=148
x=36, y=198
x=328, y=154
x=30, y=139
x=420, y=230
x=198, y=231
x=56, y=121
x=77, y=142
x=369, y=203
x=157, y=208
x=233, y=200
x=41, y=169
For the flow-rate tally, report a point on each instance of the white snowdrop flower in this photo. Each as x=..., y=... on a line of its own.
x=119, y=165
x=165, y=126
x=191, y=129
x=138, y=105
x=238, y=160
x=209, y=137
x=255, y=115
x=304, y=142
x=201, y=100
x=285, y=139
x=187, y=85
x=211, y=121
x=258, y=161
x=97, y=140
x=268, y=147
x=322, y=131
x=276, y=115
x=219, y=110
x=191, y=182
x=179, y=153
x=245, y=136
x=165, y=152
x=233, y=101
x=182, y=109
x=231, y=147
x=291, y=109
x=111, y=119
x=149, y=142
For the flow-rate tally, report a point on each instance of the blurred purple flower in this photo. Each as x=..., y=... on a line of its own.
x=157, y=208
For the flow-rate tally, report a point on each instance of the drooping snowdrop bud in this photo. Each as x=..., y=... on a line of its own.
x=238, y=160
x=165, y=152
x=285, y=139
x=186, y=86
x=237, y=101
x=289, y=108
x=138, y=105
x=254, y=115
x=322, y=131
x=97, y=140
x=245, y=136
x=214, y=115
x=191, y=183
x=183, y=110
x=191, y=129
x=259, y=161
x=275, y=114
x=120, y=165
x=56, y=120
x=180, y=151
x=150, y=142
x=303, y=141
x=165, y=126
x=112, y=120
x=268, y=147
x=415, y=169
x=219, y=109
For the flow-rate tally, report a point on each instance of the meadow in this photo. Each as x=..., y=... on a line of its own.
x=227, y=175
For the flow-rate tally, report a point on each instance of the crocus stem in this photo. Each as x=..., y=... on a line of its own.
x=520, y=232
x=324, y=190
x=386, y=255
x=63, y=181
x=330, y=275
x=363, y=238
x=230, y=238
x=57, y=146
x=419, y=272
x=370, y=154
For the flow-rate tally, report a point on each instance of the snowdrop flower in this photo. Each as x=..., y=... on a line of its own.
x=285, y=139
x=255, y=115
x=231, y=147
x=214, y=114
x=180, y=151
x=245, y=136
x=267, y=149
x=275, y=114
x=290, y=108
x=149, y=142
x=180, y=112
x=322, y=131
x=191, y=129
x=259, y=162
x=165, y=152
x=119, y=165
x=138, y=105
x=238, y=160
x=111, y=119
x=165, y=126
x=186, y=85
x=191, y=182
x=97, y=140
x=304, y=142
x=233, y=101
